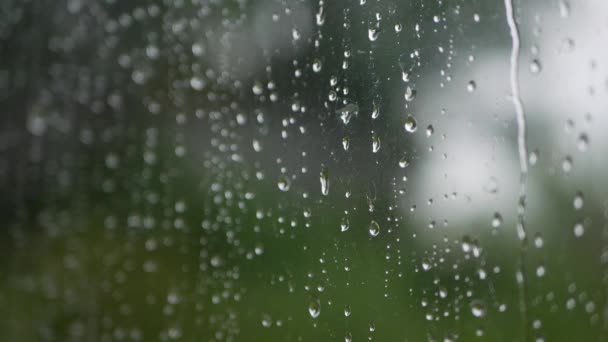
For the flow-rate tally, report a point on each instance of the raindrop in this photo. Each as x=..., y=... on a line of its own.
x=491, y=185
x=314, y=308
x=257, y=88
x=317, y=65
x=283, y=183
x=347, y=112
x=567, y=164
x=344, y=224
x=471, y=86
x=345, y=143
x=538, y=240
x=410, y=124
x=375, y=111
x=426, y=264
x=295, y=33
x=535, y=66
x=429, y=131
x=373, y=33
x=347, y=311
x=374, y=229
x=478, y=308
x=324, y=178
x=404, y=162
x=583, y=142
x=579, y=229
x=410, y=94
x=496, y=220
x=578, y=201
x=375, y=143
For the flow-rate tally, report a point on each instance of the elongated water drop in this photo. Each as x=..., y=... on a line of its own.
x=324, y=178
x=375, y=143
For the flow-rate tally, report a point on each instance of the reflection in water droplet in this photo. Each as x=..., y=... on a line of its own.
x=583, y=142
x=373, y=33
x=324, y=178
x=478, y=308
x=410, y=124
x=497, y=220
x=578, y=201
x=347, y=311
x=283, y=183
x=579, y=229
x=375, y=143
x=426, y=264
x=344, y=224
x=567, y=164
x=347, y=112
x=535, y=66
x=410, y=94
x=314, y=308
x=404, y=162
x=471, y=86
x=345, y=143
x=317, y=65
x=374, y=229
x=375, y=111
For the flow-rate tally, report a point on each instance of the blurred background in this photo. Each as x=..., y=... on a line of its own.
x=295, y=170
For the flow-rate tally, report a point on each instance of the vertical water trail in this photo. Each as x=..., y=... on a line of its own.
x=523, y=162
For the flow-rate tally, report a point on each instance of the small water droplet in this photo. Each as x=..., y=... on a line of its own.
x=579, y=229
x=478, y=308
x=314, y=308
x=404, y=162
x=345, y=143
x=410, y=124
x=429, y=131
x=344, y=224
x=567, y=164
x=375, y=111
x=471, y=86
x=317, y=65
x=578, y=201
x=535, y=66
x=496, y=220
x=283, y=183
x=410, y=94
x=583, y=142
x=324, y=178
x=374, y=229
x=375, y=143
x=347, y=112
x=373, y=33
